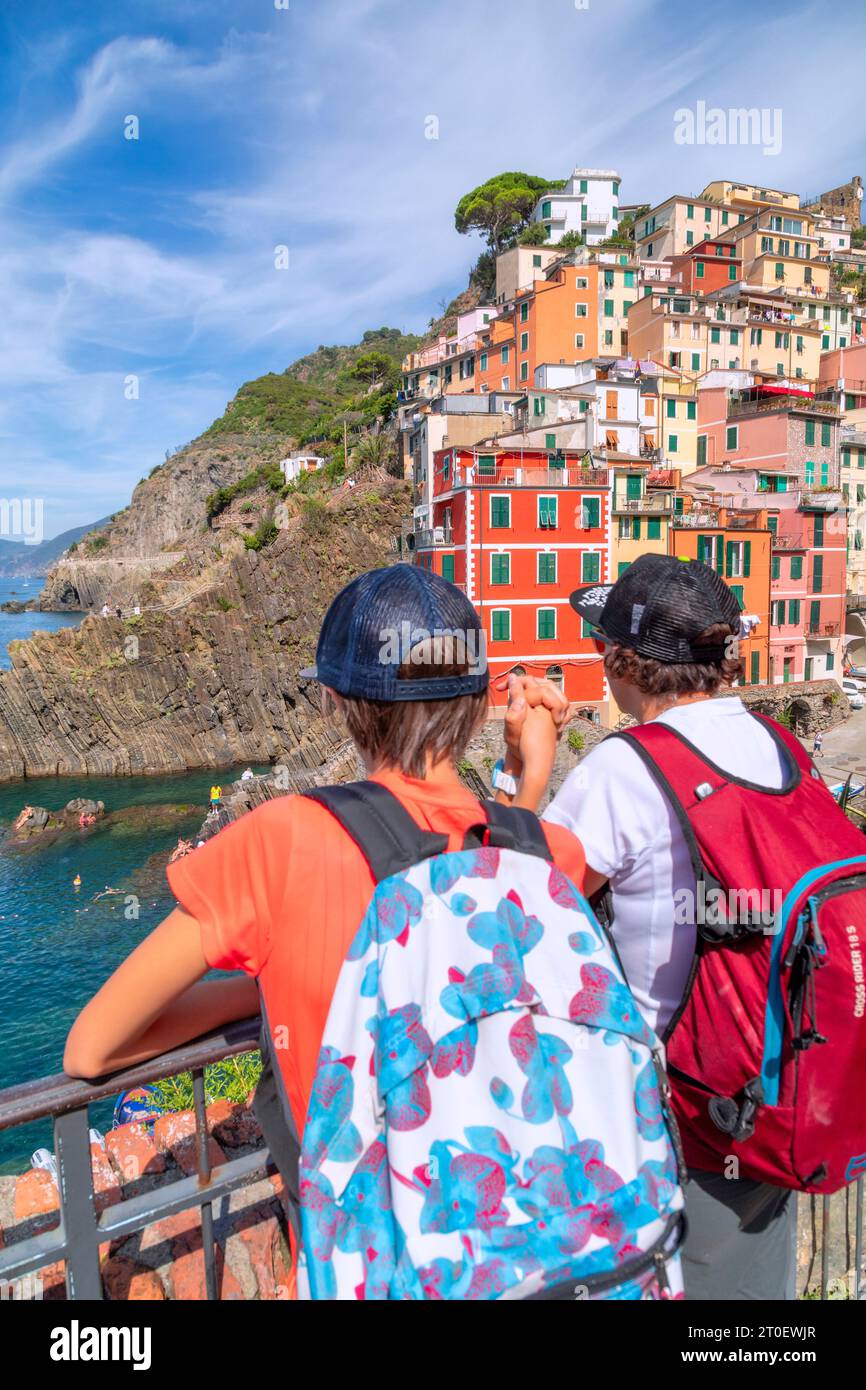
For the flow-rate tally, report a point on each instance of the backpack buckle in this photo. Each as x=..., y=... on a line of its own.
x=738, y=1120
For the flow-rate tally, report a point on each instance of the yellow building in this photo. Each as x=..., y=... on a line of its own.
x=641, y=515
x=748, y=197
x=779, y=250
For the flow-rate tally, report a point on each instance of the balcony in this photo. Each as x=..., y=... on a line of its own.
x=769, y=405
x=818, y=501
x=693, y=521
x=433, y=536
x=657, y=505
x=823, y=629
x=468, y=475
x=793, y=542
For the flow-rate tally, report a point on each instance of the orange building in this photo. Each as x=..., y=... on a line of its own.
x=518, y=530
x=738, y=544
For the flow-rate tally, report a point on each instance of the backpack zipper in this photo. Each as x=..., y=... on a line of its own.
x=655, y=1258
x=774, y=1015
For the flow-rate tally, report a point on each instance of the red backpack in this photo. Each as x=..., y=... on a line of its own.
x=767, y=1050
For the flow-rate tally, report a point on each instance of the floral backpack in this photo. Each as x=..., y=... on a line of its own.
x=489, y=1115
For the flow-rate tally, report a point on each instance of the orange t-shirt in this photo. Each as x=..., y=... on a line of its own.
x=281, y=893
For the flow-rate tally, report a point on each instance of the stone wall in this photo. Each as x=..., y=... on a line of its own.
x=843, y=201
x=811, y=705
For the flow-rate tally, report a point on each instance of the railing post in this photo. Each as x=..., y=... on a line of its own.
x=203, y=1166
x=77, y=1210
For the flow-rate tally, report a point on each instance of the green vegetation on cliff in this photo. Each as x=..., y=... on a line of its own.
x=311, y=399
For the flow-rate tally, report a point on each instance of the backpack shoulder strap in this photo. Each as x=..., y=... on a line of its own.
x=679, y=771
x=509, y=827
x=385, y=833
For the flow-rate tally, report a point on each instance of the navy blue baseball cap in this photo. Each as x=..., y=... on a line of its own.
x=374, y=623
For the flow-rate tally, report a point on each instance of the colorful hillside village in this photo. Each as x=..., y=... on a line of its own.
x=696, y=388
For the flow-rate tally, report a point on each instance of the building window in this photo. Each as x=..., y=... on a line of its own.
x=699, y=270
x=545, y=209
x=691, y=410
x=794, y=610
x=818, y=574
x=546, y=572
x=590, y=567
x=555, y=676
x=825, y=435
x=755, y=674
x=578, y=340
x=500, y=512
x=690, y=238
x=524, y=342
x=796, y=567
x=524, y=311
x=702, y=451
x=590, y=513
x=737, y=591
x=546, y=624
x=696, y=361
x=524, y=371
x=486, y=465
x=536, y=261
x=500, y=568
x=580, y=311
x=732, y=438
x=690, y=210
x=504, y=353
x=482, y=362
x=608, y=308
x=654, y=528
x=672, y=443
x=732, y=272
x=547, y=512
x=776, y=567
x=780, y=270
x=448, y=568
x=500, y=625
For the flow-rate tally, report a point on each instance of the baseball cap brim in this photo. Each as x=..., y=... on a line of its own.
x=589, y=602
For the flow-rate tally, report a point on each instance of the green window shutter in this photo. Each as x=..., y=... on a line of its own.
x=524, y=311
x=715, y=335
x=632, y=488
x=635, y=530
x=550, y=441
x=500, y=569
x=628, y=278
x=673, y=443
x=818, y=533
x=500, y=511
x=583, y=185
x=703, y=549
x=622, y=567
x=486, y=464
x=696, y=361
x=591, y=511
x=796, y=567
x=720, y=556
x=814, y=612
x=747, y=558
x=483, y=362
x=735, y=337
x=654, y=528
x=547, y=568
x=793, y=610
x=731, y=437
x=691, y=410
x=737, y=591
x=690, y=209
x=699, y=268
x=671, y=408
x=776, y=567
x=546, y=623
x=756, y=668
x=818, y=574
x=810, y=431
x=825, y=435
x=500, y=627
x=708, y=214
x=608, y=308
x=830, y=661
x=448, y=568
x=729, y=559
x=545, y=209
x=590, y=567
x=679, y=505
x=732, y=275
x=702, y=450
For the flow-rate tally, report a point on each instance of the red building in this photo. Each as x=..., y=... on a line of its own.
x=711, y=265
x=518, y=531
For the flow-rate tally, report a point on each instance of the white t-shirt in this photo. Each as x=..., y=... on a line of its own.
x=613, y=805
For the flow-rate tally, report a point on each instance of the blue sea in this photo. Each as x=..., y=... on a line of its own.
x=57, y=945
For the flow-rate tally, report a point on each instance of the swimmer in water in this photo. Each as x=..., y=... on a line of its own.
x=76, y=882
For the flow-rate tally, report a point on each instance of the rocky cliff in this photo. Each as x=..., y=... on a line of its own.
x=207, y=674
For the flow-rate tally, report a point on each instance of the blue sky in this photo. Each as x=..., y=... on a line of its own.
x=305, y=127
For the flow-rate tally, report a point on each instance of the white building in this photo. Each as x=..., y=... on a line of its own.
x=589, y=204
x=293, y=467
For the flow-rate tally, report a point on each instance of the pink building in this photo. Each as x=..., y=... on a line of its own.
x=807, y=575
x=778, y=430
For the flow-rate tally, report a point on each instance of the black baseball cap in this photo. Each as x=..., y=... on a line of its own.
x=658, y=606
x=374, y=623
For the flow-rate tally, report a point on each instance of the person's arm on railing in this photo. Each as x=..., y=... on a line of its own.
x=154, y=1001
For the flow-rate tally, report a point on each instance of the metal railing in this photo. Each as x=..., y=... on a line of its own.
x=644, y=504
x=81, y=1231
x=473, y=476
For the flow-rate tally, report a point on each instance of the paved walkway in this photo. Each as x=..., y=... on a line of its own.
x=844, y=747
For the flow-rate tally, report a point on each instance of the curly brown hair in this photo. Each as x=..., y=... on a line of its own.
x=663, y=679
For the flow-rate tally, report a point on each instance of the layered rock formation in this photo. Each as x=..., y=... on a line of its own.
x=207, y=674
